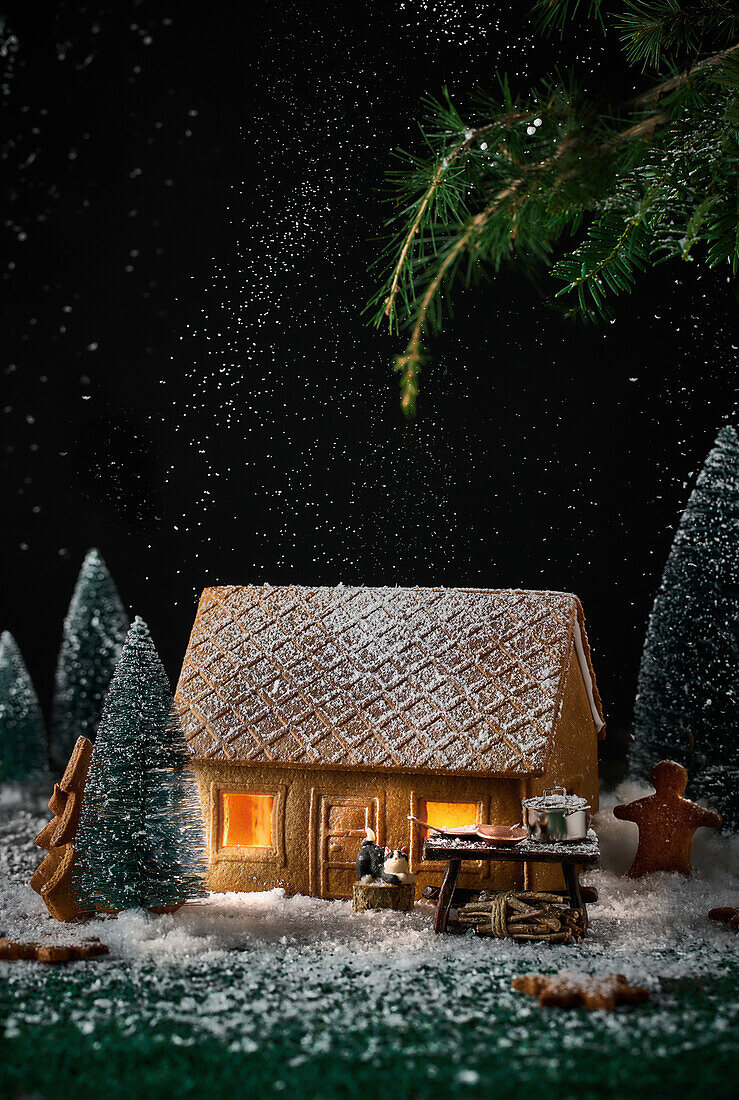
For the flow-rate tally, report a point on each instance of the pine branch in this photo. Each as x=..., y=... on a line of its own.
x=606, y=261
x=517, y=181
x=554, y=15
x=400, y=265
x=648, y=28
x=695, y=224
x=674, y=83
x=421, y=208
x=409, y=364
x=723, y=232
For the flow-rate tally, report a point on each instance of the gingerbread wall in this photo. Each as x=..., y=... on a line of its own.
x=572, y=763
x=319, y=820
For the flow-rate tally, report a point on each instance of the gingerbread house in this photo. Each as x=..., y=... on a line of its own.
x=312, y=713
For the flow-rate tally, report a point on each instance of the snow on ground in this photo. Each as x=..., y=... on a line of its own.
x=634, y=921
x=246, y=970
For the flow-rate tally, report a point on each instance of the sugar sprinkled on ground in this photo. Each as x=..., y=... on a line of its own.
x=632, y=918
x=245, y=970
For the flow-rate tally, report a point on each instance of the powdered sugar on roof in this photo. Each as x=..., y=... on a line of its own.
x=459, y=680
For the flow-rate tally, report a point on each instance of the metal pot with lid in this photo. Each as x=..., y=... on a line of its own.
x=556, y=816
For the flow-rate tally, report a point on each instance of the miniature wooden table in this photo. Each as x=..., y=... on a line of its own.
x=583, y=853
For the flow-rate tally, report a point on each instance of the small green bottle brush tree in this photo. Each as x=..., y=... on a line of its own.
x=687, y=707
x=23, y=746
x=94, y=630
x=140, y=840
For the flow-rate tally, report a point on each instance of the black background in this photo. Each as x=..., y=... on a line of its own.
x=190, y=386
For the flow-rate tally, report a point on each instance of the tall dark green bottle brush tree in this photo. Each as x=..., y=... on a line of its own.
x=140, y=842
x=687, y=707
x=569, y=177
x=24, y=754
x=94, y=629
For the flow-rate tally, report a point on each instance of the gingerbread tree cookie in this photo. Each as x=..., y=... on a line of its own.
x=52, y=879
x=50, y=952
x=666, y=822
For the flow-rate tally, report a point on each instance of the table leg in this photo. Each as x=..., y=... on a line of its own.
x=572, y=882
x=446, y=893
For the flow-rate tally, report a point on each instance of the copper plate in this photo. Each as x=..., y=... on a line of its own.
x=501, y=834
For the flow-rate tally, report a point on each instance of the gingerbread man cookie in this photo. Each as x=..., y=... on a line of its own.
x=666, y=822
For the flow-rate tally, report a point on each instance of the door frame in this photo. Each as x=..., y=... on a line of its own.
x=320, y=803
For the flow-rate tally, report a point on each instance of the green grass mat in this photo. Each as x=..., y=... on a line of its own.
x=448, y=1027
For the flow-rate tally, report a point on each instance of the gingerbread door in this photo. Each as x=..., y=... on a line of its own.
x=338, y=824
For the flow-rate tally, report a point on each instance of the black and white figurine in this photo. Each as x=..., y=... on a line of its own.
x=396, y=865
x=378, y=864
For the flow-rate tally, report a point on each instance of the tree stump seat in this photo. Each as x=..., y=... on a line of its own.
x=376, y=895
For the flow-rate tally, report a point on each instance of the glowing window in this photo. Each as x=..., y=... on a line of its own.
x=449, y=815
x=246, y=820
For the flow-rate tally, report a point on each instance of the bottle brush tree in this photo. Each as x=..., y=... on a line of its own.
x=23, y=746
x=571, y=177
x=94, y=630
x=687, y=706
x=140, y=841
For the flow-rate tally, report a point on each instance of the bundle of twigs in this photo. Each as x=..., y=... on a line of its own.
x=524, y=915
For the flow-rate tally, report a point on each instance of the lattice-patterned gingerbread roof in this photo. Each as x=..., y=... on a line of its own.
x=427, y=679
